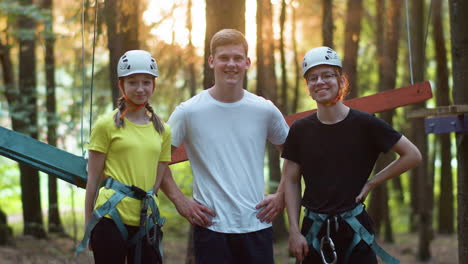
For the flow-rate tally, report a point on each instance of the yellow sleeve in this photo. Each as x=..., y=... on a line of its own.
x=166, y=144
x=100, y=139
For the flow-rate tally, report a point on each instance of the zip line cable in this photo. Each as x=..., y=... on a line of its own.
x=96, y=11
x=409, y=36
x=83, y=77
x=427, y=26
x=96, y=8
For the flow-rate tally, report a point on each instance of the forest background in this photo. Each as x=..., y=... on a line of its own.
x=58, y=74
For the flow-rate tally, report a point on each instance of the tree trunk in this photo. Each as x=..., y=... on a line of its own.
x=267, y=87
x=6, y=233
x=123, y=22
x=446, y=199
x=220, y=14
x=283, y=101
x=327, y=23
x=192, y=78
x=459, y=33
x=297, y=69
x=387, y=50
x=352, y=35
x=419, y=138
x=54, y=224
x=30, y=194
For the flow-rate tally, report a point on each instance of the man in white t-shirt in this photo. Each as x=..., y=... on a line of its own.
x=225, y=130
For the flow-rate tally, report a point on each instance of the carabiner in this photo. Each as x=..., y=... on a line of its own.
x=327, y=240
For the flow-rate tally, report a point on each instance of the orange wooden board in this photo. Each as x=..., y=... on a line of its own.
x=375, y=103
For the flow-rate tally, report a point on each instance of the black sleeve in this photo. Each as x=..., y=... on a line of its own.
x=385, y=137
x=290, y=149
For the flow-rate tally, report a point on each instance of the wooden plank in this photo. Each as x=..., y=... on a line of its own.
x=446, y=124
x=439, y=111
x=44, y=157
x=72, y=168
x=375, y=103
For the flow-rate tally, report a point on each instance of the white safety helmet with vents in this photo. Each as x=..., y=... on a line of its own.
x=320, y=56
x=137, y=61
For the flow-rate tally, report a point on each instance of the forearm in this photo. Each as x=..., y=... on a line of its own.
x=163, y=169
x=91, y=190
x=409, y=158
x=170, y=188
x=293, y=200
x=293, y=191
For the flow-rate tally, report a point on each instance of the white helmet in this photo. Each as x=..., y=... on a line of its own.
x=320, y=56
x=137, y=61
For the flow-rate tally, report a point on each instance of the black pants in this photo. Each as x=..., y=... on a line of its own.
x=361, y=254
x=109, y=246
x=221, y=248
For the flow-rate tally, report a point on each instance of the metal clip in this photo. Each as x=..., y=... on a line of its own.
x=327, y=240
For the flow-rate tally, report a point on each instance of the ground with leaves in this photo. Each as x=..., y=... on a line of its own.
x=27, y=250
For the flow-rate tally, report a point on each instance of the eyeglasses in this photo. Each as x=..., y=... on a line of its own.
x=326, y=77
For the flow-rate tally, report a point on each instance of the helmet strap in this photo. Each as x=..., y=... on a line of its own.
x=130, y=105
x=337, y=97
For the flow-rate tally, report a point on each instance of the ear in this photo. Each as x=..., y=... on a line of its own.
x=210, y=61
x=120, y=82
x=247, y=63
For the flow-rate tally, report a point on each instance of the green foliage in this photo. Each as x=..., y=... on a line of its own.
x=10, y=192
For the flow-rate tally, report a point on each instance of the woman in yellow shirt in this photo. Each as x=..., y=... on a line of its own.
x=129, y=150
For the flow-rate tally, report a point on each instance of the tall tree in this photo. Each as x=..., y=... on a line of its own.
x=387, y=49
x=192, y=79
x=283, y=99
x=352, y=36
x=29, y=177
x=297, y=70
x=446, y=199
x=123, y=19
x=267, y=87
x=6, y=232
x=327, y=23
x=421, y=175
x=54, y=224
x=459, y=32
x=220, y=14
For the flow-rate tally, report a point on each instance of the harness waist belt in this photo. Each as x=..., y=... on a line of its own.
x=146, y=222
x=360, y=233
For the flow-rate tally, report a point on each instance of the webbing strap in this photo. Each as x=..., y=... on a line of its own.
x=110, y=207
x=360, y=233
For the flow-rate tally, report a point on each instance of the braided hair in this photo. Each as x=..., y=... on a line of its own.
x=121, y=106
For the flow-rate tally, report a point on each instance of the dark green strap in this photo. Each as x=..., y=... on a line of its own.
x=110, y=207
x=360, y=233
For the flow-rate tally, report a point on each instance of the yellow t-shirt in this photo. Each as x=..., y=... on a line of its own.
x=132, y=156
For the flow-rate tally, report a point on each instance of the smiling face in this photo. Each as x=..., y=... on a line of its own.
x=323, y=83
x=229, y=63
x=138, y=87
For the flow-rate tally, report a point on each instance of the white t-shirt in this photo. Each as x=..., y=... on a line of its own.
x=225, y=143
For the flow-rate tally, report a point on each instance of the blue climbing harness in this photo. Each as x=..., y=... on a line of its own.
x=146, y=222
x=360, y=233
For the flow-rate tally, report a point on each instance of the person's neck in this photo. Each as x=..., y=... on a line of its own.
x=227, y=93
x=138, y=116
x=332, y=114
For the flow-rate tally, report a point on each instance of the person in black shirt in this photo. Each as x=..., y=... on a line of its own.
x=335, y=150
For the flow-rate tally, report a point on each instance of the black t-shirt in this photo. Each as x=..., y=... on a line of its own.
x=336, y=160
